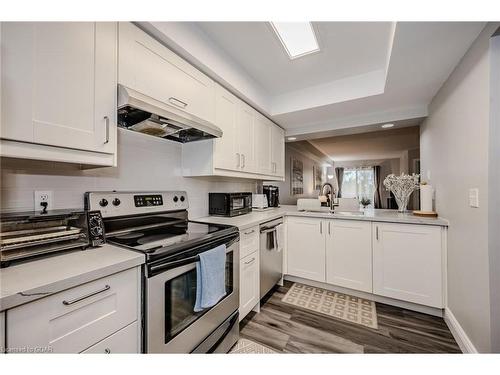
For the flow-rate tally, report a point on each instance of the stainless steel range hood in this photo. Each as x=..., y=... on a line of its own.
x=142, y=113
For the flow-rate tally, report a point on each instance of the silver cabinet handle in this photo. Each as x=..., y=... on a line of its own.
x=252, y=231
x=242, y=160
x=250, y=261
x=177, y=102
x=321, y=227
x=106, y=124
x=70, y=302
x=238, y=160
x=376, y=232
x=329, y=232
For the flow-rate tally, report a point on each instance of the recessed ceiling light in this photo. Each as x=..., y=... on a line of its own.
x=385, y=126
x=297, y=38
x=292, y=138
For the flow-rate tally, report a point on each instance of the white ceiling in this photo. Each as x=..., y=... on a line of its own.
x=346, y=49
x=366, y=73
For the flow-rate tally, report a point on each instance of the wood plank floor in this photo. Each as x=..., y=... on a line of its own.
x=289, y=329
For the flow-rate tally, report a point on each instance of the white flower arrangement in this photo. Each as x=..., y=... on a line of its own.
x=402, y=186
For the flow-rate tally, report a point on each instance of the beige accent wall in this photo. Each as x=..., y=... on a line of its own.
x=454, y=156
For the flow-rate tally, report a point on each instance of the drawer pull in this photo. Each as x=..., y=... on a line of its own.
x=107, y=351
x=250, y=261
x=106, y=124
x=177, y=102
x=70, y=302
x=252, y=231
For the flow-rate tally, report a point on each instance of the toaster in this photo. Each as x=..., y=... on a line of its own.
x=259, y=201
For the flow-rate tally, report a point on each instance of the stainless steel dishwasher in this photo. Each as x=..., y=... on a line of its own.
x=271, y=254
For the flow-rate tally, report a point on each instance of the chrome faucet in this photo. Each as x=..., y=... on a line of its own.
x=327, y=189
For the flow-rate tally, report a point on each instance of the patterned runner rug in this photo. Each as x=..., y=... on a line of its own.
x=337, y=305
x=244, y=346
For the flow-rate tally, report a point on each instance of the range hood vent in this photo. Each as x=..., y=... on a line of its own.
x=141, y=113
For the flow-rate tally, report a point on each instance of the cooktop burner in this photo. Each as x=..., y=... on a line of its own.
x=154, y=223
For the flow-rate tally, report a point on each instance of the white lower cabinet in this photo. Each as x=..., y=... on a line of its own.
x=349, y=254
x=249, y=283
x=76, y=319
x=2, y=332
x=306, y=247
x=123, y=341
x=408, y=263
x=400, y=261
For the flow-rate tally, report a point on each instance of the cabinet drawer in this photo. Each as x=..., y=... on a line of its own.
x=123, y=341
x=77, y=318
x=249, y=241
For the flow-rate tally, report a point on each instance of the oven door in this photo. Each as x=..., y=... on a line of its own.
x=172, y=325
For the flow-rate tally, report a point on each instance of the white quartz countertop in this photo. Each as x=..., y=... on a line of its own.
x=258, y=217
x=35, y=279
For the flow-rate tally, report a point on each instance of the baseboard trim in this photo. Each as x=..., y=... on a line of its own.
x=458, y=333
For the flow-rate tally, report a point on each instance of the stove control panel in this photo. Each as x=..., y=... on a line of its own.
x=148, y=200
x=121, y=203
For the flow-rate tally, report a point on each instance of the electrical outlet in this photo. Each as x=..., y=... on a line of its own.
x=43, y=196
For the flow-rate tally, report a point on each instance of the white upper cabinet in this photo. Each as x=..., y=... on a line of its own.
x=263, y=130
x=278, y=151
x=245, y=137
x=349, y=254
x=226, y=151
x=408, y=263
x=149, y=67
x=306, y=247
x=246, y=149
x=59, y=88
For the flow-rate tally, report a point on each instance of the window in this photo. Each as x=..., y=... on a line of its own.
x=358, y=183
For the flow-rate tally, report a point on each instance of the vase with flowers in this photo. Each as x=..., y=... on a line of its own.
x=402, y=186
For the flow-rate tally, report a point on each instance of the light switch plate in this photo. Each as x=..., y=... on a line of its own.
x=474, y=197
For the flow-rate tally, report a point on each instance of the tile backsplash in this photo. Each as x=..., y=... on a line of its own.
x=144, y=163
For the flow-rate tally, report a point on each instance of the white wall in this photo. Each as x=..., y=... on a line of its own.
x=144, y=163
x=454, y=148
x=494, y=186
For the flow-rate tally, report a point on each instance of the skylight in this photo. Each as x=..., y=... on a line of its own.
x=297, y=38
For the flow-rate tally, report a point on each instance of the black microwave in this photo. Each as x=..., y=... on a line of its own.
x=229, y=204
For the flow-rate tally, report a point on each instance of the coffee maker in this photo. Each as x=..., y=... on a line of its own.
x=273, y=195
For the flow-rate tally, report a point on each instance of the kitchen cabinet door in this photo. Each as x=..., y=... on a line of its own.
x=2, y=332
x=249, y=283
x=263, y=145
x=349, y=254
x=75, y=319
x=226, y=153
x=149, y=67
x=245, y=135
x=408, y=263
x=59, y=84
x=278, y=151
x=306, y=248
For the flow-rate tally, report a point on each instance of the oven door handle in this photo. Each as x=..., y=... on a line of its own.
x=178, y=263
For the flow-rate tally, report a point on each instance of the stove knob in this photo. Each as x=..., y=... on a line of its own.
x=103, y=202
x=116, y=202
x=176, y=198
x=183, y=198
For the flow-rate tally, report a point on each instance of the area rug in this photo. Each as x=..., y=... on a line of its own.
x=244, y=346
x=337, y=305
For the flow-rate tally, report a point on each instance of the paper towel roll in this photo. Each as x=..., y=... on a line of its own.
x=426, y=192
